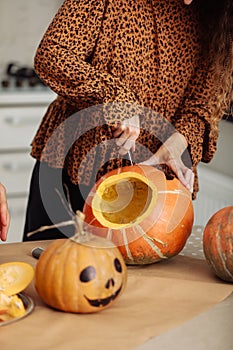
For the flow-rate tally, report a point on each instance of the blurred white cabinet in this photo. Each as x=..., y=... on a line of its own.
x=20, y=115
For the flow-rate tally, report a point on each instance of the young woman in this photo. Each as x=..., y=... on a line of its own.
x=154, y=76
x=4, y=214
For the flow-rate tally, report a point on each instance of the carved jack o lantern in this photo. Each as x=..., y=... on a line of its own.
x=83, y=274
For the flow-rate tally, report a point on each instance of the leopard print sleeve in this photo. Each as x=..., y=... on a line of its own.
x=197, y=117
x=63, y=59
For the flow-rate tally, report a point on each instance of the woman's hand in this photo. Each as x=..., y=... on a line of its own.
x=188, y=2
x=170, y=154
x=126, y=134
x=4, y=214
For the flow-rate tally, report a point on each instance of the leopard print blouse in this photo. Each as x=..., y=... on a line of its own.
x=108, y=60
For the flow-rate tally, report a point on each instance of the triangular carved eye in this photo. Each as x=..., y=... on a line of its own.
x=117, y=265
x=88, y=274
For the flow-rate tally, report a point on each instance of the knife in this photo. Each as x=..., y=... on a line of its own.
x=128, y=157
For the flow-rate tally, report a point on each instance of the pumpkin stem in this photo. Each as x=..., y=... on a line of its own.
x=44, y=228
x=79, y=223
x=69, y=210
x=79, y=218
x=60, y=224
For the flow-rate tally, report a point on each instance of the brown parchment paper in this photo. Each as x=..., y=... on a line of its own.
x=157, y=298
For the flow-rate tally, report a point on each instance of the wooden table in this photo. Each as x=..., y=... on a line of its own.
x=158, y=299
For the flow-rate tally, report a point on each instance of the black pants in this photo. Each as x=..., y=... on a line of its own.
x=50, y=197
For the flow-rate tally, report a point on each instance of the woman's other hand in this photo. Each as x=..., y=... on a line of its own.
x=126, y=133
x=4, y=214
x=170, y=154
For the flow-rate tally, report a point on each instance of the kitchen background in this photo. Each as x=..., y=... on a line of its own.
x=23, y=103
x=22, y=24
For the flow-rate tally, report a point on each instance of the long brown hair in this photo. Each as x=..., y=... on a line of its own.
x=217, y=20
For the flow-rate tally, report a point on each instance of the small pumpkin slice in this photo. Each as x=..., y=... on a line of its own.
x=15, y=276
x=10, y=307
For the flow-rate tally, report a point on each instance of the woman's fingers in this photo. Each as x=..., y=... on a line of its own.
x=186, y=178
x=117, y=131
x=4, y=227
x=189, y=177
x=152, y=161
x=188, y=2
x=4, y=214
x=126, y=146
x=126, y=134
x=183, y=173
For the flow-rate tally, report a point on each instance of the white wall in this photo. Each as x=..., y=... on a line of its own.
x=22, y=24
x=223, y=159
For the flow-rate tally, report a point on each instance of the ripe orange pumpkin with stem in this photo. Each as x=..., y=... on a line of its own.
x=218, y=243
x=81, y=274
x=147, y=216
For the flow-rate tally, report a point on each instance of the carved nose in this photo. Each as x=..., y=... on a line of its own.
x=110, y=283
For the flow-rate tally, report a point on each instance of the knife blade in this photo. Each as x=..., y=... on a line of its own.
x=129, y=155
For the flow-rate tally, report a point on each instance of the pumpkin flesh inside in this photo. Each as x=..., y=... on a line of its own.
x=123, y=200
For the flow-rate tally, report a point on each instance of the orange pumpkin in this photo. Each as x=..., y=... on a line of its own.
x=82, y=274
x=218, y=243
x=148, y=217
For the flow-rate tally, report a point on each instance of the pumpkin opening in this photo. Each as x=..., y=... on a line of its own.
x=124, y=199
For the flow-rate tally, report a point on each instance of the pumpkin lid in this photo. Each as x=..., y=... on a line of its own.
x=15, y=276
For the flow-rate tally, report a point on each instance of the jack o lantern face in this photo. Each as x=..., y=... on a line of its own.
x=83, y=275
x=102, y=281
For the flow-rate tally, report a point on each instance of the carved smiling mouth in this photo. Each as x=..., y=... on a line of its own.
x=104, y=301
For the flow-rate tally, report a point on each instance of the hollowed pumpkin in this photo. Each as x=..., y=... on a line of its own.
x=148, y=217
x=218, y=243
